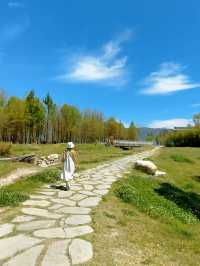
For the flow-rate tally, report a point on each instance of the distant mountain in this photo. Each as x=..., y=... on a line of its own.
x=145, y=131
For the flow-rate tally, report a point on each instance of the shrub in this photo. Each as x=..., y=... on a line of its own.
x=182, y=138
x=5, y=148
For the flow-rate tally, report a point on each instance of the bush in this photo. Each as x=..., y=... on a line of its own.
x=182, y=138
x=5, y=148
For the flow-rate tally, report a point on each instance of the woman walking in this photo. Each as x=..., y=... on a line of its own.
x=69, y=157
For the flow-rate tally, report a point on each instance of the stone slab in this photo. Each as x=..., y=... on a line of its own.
x=10, y=246
x=89, y=202
x=39, y=203
x=74, y=210
x=77, y=197
x=23, y=218
x=56, y=254
x=34, y=225
x=80, y=251
x=78, y=219
x=65, y=194
x=6, y=229
x=72, y=232
x=67, y=202
x=27, y=258
x=56, y=232
x=41, y=213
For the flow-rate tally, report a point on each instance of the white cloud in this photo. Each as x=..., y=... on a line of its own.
x=11, y=31
x=15, y=5
x=108, y=66
x=171, y=123
x=169, y=78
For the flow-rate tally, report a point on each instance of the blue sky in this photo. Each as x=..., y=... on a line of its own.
x=134, y=60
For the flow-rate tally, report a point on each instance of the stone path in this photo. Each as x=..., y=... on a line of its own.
x=48, y=231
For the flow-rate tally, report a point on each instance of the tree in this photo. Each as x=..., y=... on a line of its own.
x=132, y=132
x=14, y=119
x=34, y=118
x=70, y=117
x=196, y=119
x=50, y=117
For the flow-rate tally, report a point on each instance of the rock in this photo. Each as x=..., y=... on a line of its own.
x=75, y=188
x=78, y=197
x=88, y=193
x=89, y=202
x=40, y=197
x=12, y=245
x=56, y=254
x=72, y=232
x=55, y=207
x=47, y=193
x=78, y=219
x=80, y=251
x=64, y=202
x=23, y=218
x=103, y=186
x=41, y=213
x=40, y=203
x=28, y=257
x=6, y=229
x=88, y=187
x=33, y=225
x=146, y=166
x=101, y=191
x=53, y=157
x=56, y=232
x=74, y=210
x=65, y=194
x=160, y=173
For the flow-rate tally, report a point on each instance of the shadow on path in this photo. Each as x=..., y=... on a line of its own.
x=188, y=201
x=59, y=187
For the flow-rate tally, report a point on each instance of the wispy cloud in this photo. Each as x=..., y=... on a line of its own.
x=108, y=66
x=15, y=5
x=11, y=31
x=169, y=78
x=171, y=123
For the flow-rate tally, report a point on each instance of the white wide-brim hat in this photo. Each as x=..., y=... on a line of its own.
x=70, y=145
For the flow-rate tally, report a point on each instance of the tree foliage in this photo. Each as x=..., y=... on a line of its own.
x=31, y=120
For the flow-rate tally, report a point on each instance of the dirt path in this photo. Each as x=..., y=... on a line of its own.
x=17, y=174
x=49, y=230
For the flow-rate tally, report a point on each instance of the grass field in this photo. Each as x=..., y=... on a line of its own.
x=152, y=221
x=89, y=155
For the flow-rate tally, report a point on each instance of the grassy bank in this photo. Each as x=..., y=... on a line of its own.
x=152, y=221
x=89, y=155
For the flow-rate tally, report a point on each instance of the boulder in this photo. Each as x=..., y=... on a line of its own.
x=53, y=157
x=146, y=166
x=160, y=173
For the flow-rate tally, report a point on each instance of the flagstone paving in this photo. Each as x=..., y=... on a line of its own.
x=48, y=230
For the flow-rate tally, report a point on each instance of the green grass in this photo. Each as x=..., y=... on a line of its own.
x=14, y=194
x=149, y=220
x=180, y=158
x=89, y=155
